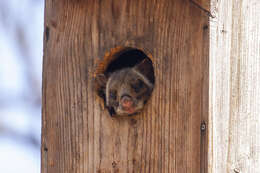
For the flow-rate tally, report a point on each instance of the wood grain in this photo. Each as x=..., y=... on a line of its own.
x=234, y=144
x=78, y=136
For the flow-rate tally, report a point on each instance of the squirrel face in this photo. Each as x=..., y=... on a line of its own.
x=127, y=90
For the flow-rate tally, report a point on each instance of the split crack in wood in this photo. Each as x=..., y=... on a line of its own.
x=203, y=9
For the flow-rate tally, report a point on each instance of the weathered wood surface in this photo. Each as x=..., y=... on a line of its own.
x=234, y=144
x=77, y=135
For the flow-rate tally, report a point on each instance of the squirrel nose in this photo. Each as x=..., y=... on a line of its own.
x=127, y=101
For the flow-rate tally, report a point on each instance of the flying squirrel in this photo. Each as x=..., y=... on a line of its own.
x=127, y=90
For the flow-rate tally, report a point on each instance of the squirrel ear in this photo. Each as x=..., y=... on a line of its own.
x=145, y=65
x=146, y=68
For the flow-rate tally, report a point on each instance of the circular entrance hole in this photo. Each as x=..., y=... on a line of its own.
x=125, y=80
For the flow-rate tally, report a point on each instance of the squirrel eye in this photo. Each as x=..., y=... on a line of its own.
x=112, y=94
x=137, y=86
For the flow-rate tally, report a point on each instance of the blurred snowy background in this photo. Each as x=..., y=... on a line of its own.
x=21, y=36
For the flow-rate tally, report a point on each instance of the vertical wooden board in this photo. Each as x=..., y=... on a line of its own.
x=77, y=134
x=234, y=120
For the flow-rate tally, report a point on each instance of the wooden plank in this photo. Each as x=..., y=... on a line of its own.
x=234, y=144
x=77, y=134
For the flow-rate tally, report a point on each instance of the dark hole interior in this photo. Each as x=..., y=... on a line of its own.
x=127, y=58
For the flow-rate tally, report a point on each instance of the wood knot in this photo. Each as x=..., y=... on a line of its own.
x=133, y=122
x=114, y=164
x=205, y=27
x=203, y=126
